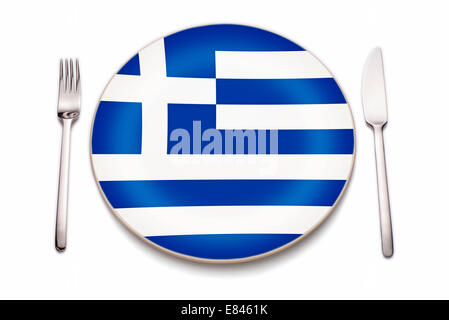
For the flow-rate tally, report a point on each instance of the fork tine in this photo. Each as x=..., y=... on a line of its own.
x=61, y=69
x=61, y=76
x=77, y=79
x=71, y=77
x=66, y=74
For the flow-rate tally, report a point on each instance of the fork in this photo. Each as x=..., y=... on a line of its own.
x=69, y=107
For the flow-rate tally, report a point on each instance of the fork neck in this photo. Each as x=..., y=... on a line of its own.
x=68, y=115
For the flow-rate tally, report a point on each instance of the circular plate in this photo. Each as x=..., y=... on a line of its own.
x=222, y=143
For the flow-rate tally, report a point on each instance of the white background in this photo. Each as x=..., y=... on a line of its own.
x=342, y=259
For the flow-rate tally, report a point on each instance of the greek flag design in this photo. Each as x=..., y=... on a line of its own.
x=222, y=143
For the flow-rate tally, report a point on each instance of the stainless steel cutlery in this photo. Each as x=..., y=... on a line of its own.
x=375, y=110
x=69, y=107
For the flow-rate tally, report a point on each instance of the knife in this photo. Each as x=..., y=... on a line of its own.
x=374, y=102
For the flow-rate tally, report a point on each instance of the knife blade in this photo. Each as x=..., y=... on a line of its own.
x=373, y=89
x=375, y=110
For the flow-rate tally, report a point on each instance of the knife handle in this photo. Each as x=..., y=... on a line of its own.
x=382, y=189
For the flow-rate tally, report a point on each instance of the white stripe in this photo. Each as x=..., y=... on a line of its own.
x=190, y=90
x=123, y=88
x=222, y=220
x=174, y=90
x=274, y=65
x=178, y=167
x=321, y=116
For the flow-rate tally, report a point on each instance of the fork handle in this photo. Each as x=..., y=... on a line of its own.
x=61, y=215
x=382, y=189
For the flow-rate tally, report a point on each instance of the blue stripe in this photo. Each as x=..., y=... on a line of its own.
x=323, y=141
x=223, y=246
x=317, y=141
x=117, y=128
x=191, y=53
x=279, y=91
x=132, y=67
x=174, y=193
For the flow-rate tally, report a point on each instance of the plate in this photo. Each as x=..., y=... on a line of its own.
x=222, y=143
